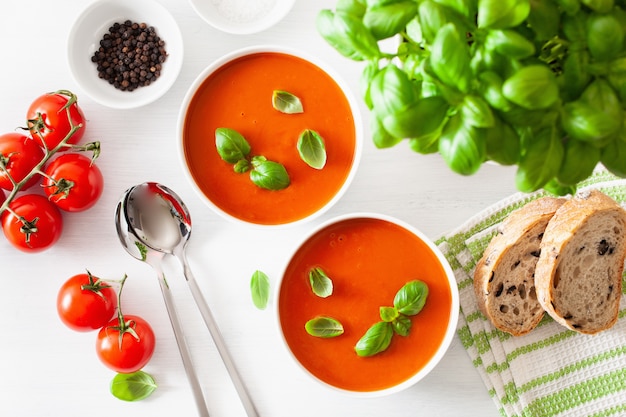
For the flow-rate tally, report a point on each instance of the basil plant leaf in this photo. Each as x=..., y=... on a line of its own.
x=392, y=91
x=260, y=289
x=605, y=36
x=533, y=87
x=268, y=174
x=579, y=160
x=411, y=298
x=613, y=156
x=387, y=20
x=402, y=325
x=450, y=58
x=375, y=340
x=285, y=102
x=312, y=149
x=420, y=119
x=509, y=43
x=354, y=7
x=133, y=387
x=502, y=14
x=348, y=35
x=324, y=327
x=381, y=138
x=540, y=162
x=321, y=284
x=463, y=146
x=231, y=145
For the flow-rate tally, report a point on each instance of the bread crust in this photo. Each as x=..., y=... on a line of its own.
x=578, y=276
x=508, y=265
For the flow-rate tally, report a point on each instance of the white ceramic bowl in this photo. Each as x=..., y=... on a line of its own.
x=208, y=133
x=242, y=17
x=355, y=251
x=94, y=22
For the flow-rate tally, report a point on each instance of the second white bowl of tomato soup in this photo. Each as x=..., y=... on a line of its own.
x=269, y=136
x=367, y=305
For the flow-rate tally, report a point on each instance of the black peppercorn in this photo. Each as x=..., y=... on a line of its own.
x=130, y=55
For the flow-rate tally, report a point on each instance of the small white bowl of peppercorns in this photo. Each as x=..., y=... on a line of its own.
x=125, y=54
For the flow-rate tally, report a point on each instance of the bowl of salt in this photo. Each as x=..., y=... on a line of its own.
x=242, y=17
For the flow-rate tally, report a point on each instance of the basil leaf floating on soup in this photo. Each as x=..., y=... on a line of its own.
x=402, y=325
x=312, y=149
x=377, y=339
x=260, y=289
x=286, y=102
x=268, y=174
x=321, y=284
x=389, y=314
x=410, y=299
x=231, y=145
x=324, y=327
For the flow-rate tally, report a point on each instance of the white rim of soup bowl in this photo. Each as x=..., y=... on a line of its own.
x=99, y=90
x=280, y=9
x=250, y=50
x=450, y=329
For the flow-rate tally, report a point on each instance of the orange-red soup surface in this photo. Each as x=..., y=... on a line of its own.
x=239, y=96
x=368, y=260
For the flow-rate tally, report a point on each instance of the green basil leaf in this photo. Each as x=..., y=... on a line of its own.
x=388, y=314
x=321, y=284
x=450, y=58
x=381, y=138
x=260, y=289
x=392, y=91
x=402, y=325
x=463, y=146
x=490, y=88
x=375, y=340
x=348, y=35
x=600, y=6
x=617, y=77
x=583, y=122
x=476, y=111
x=385, y=21
x=422, y=118
x=133, y=387
x=285, y=102
x=544, y=19
x=575, y=75
x=242, y=166
x=354, y=7
x=502, y=14
x=579, y=160
x=432, y=17
x=571, y=7
x=466, y=8
x=312, y=149
x=365, y=82
x=503, y=143
x=541, y=160
x=532, y=87
x=268, y=174
x=426, y=144
x=509, y=43
x=324, y=327
x=231, y=145
x=605, y=36
x=410, y=299
x=613, y=156
x=556, y=188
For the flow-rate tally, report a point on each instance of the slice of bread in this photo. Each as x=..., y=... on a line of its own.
x=504, y=277
x=579, y=273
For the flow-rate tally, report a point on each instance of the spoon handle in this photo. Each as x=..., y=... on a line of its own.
x=211, y=324
x=182, y=344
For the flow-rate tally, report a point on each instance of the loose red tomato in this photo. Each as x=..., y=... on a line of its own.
x=32, y=223
x=86, y=303
x=73, y=182
x=48, y=119
x=19, y=154
x=136, y=347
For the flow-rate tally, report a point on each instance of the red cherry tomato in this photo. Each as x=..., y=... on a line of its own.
x=86, y=303
x=73, y=182
x=135, y=350
x=2, y=197
x=19, y=154
x=32, y=224
x=48, y=120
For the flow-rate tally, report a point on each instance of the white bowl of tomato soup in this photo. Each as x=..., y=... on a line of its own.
x=369, y=259
x=236, y=92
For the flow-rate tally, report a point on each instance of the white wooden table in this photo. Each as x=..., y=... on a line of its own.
x=48, y=370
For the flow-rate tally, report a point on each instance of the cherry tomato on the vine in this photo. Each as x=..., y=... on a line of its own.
x=136, y=348
x=19, y=154
x=2, y=197
x=32, y=223
x=73, y=182
x=48, y=120
x=86, y=303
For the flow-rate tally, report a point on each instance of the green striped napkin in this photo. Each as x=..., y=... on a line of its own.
x=551, y=371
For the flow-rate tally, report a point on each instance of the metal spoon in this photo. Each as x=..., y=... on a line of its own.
x=157, y=219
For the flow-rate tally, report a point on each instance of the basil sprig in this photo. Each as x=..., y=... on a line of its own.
x=235, y=149
x=133, y=387
x=408, y=301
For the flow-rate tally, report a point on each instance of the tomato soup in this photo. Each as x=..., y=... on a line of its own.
x=368, y=260
x=238, y=95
